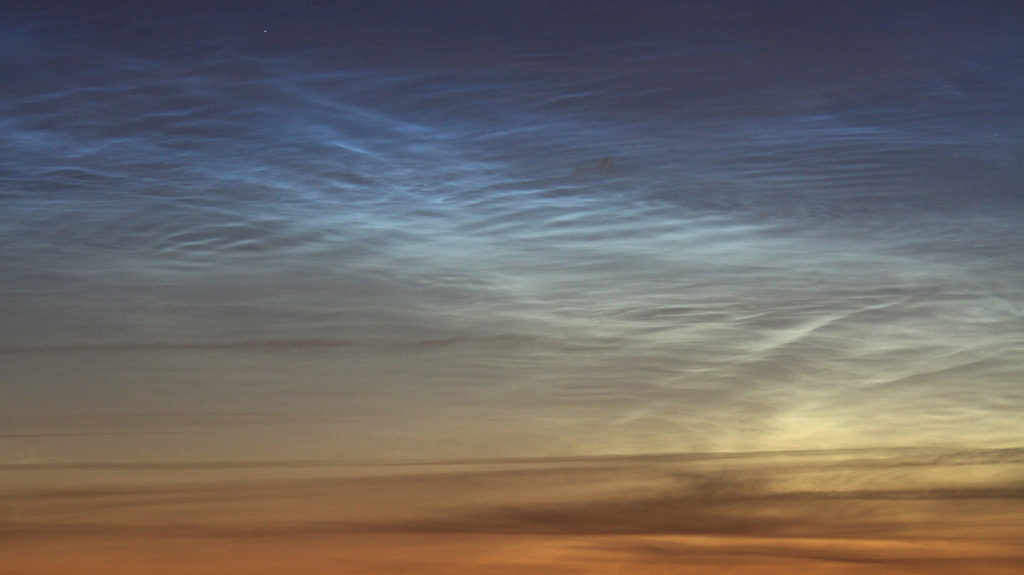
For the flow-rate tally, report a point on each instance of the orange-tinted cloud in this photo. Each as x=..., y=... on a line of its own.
x=809, y=512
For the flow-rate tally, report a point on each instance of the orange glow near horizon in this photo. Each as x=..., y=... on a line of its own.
x=669, y=287
x=859, y=512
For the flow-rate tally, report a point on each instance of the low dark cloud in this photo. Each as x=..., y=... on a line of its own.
x=942, y=510
x=727, y=494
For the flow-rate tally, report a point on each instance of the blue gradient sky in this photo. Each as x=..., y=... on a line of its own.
x=395, y=232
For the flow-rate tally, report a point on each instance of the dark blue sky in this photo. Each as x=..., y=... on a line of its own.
x=517, y=228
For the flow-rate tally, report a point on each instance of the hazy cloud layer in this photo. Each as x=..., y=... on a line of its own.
x=883, y=511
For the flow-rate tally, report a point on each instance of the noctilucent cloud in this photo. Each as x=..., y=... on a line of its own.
x=568, y=287
x=402, y=232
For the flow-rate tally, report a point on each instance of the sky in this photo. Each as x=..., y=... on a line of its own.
x=307, y=242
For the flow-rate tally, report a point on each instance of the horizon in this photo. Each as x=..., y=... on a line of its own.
x=729, y=286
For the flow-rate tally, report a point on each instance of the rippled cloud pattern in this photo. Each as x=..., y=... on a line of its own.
x=400, y=231
x=653, y=287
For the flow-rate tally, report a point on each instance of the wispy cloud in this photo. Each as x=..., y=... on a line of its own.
x=806, y=507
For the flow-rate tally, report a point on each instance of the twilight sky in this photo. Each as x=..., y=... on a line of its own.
x=261, y=231
x=501, y=287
